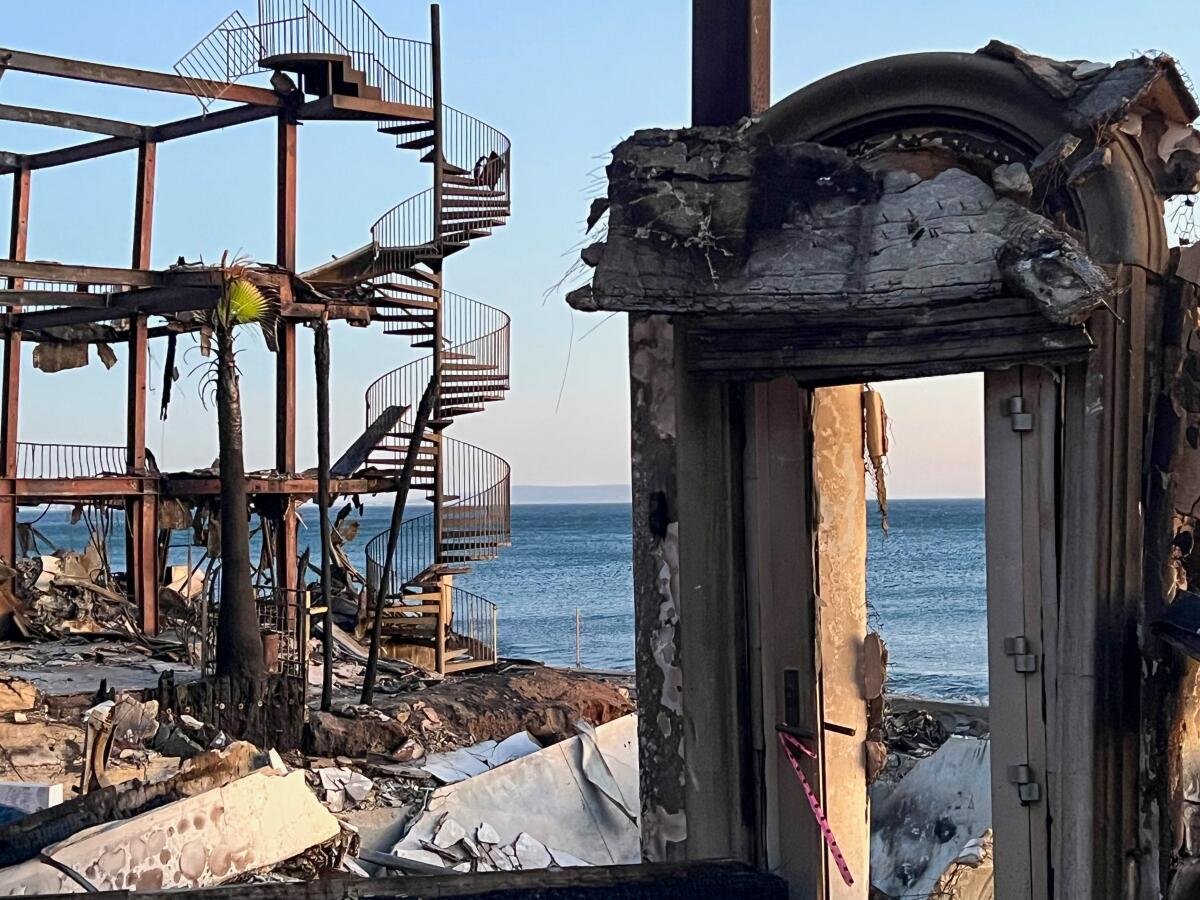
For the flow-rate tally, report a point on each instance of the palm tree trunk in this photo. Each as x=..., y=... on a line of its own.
x=239, y=643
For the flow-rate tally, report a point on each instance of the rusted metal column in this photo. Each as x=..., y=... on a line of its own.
x=141, y=512
x=439, y=474
x=286, y=550
x=17, y=243
x=731, y=60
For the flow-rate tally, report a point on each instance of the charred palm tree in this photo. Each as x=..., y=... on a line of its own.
x=242, y=302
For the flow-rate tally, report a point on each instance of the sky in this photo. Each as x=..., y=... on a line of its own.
x=565, y=80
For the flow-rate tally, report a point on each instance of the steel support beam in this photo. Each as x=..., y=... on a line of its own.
x=74, y=121
x=731, y=60
x=287, y=524
x=80, y=70
x=141, y=511
x=18, y=238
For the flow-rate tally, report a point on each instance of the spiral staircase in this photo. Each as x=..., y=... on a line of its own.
x=333, y=48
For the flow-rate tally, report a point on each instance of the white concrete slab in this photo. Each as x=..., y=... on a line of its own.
x=208, y=839
x=924, y=822
x=548, y=796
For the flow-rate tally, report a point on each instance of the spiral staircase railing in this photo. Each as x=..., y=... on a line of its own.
x=339, y=45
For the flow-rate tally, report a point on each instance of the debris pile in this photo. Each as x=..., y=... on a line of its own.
x=931, y=805
x=570, y=804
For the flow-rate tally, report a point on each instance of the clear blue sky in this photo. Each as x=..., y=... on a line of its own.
x=565, y=80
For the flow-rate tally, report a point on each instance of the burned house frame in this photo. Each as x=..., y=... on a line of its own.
x=841, y=236
x=330, y=62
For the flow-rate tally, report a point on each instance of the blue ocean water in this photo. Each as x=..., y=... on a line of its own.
x=925, y=586
x=927, y=596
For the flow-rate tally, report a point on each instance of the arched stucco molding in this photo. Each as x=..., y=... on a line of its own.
x=1118, y=208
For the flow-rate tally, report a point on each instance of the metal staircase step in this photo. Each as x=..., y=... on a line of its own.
x=461, y=238
x=414, y=621
x=409, y=288
x=451, y=379
x=416, y=609
x=428, y=277
x=469, y=223
x=404, y=303
x=408, y=331
x=446, y=354
x=417, y=143
x=457, y=388
x=463, y=666
x=461, y=410
x=471, y=192
x=459, y=215
x=408, y=128
x=464, y=367
x=471, y=545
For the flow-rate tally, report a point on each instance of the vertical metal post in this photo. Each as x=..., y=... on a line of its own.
x=141, y=511
x=578, y=632
x=18, y=235
x=287, y=523
x=731, y=60
x=435, y=31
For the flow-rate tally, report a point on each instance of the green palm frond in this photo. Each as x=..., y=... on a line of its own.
x=244, y=302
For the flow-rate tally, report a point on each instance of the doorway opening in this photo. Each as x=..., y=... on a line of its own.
x=926, y=597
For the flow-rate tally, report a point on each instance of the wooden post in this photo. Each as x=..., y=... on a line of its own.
x=141, y=538
x=18, y=236
x=286, y=537
x=680, y=820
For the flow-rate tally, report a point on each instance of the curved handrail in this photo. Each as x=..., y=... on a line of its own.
x=402, y=68
x=479, y=520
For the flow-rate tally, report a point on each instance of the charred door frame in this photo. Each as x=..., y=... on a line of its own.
x=700, y=789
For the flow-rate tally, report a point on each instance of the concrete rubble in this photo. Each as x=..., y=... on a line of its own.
x=932, y=821
x=573, y=803
x=96, y=757
x=254, y=822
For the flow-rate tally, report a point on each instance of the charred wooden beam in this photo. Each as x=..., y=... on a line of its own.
x=53, y=271
x=356, y=312
x=80, y=70
x=52, y=298
x=158, y=301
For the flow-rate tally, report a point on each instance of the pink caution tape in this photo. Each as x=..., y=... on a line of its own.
x=790, y=745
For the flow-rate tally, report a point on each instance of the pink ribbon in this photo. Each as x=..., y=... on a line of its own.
x=790, y=745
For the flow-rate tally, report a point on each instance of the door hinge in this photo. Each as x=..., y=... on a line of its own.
x=1018, y=648
x=1028, y=790
x=1014, y=408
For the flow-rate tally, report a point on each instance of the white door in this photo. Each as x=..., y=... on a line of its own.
x=1020, y=427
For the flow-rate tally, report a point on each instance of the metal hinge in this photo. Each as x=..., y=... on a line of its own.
x=1028, y=790
x=1018, y=648
x=1014, y=408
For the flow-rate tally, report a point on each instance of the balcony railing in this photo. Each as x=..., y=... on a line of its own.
x=70, y=460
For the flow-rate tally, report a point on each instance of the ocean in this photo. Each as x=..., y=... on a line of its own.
x=925, y=586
